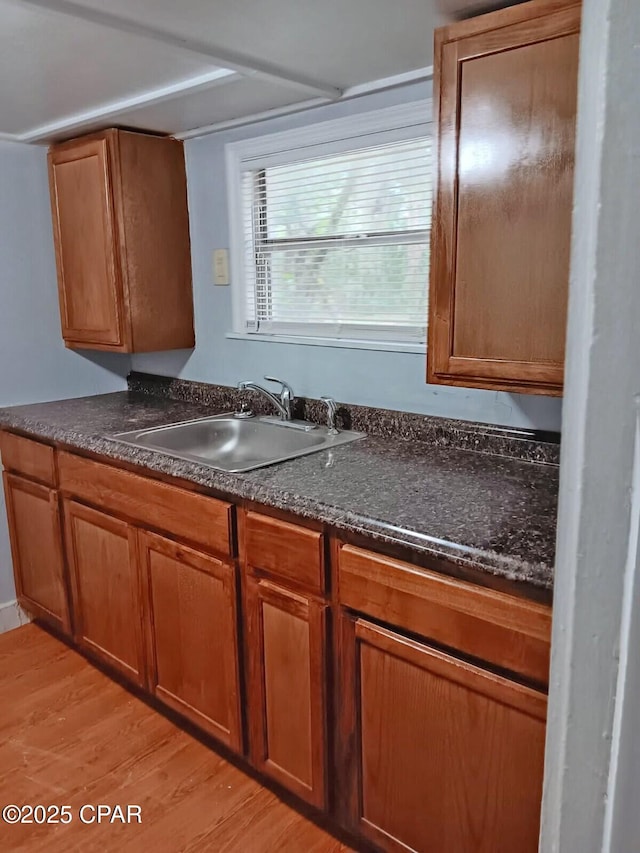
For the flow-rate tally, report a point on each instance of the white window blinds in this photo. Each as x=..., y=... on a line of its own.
x=337, y=246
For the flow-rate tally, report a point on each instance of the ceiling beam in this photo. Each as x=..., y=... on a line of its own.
x=384, y=84
x=214, y=53
x=100, y=114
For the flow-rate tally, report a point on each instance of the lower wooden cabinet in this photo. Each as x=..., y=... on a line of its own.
x=441, y=755
x=106, y=588
x=192, y=635
x=421, y=750
x=36, y=546
x=286, y=647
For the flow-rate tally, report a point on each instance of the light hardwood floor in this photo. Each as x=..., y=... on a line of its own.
x=71, y=736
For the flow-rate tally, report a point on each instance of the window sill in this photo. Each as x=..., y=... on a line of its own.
x=336, y=343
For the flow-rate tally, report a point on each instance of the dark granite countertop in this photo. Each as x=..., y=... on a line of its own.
x=477, y=510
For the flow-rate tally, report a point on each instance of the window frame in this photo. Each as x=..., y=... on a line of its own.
x=379, y=127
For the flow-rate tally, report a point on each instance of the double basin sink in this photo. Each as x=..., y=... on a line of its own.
x=235, y=445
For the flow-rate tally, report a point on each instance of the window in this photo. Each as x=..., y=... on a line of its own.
x=331, y=228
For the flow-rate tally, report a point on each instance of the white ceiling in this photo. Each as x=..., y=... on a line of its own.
x=69, y=66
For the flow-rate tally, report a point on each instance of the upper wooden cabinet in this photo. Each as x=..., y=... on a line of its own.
x=505, y=89
x=121, y=233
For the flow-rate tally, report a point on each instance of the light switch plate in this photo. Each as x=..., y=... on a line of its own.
x=221, y=267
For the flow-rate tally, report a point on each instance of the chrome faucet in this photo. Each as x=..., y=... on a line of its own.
x=332, y=411
x=282, y=404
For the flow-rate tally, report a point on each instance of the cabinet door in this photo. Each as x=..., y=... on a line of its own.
x=440, y=754
x=89, y=278
x=36, y=547
x=502, y=220
x=193, y=648
x=287, y=705
x=105, y=584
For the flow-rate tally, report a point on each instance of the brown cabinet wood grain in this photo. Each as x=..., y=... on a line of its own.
x=510, y=633
x=28, y=458
x=35, y=533
x=288, y=552
x=439, y=754
x=121, y=234
x=286, y=644
x=192, y=635
x=106, y=589
x=506, y=88
x=149, y=503
x=409, y=745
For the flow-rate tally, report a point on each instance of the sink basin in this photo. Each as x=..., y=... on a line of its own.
x=235, y=445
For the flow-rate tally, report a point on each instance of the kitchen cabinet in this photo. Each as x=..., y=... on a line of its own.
x=106, y=589
x=286, y=643
x=446, y=755
x=441, y=708
x=121, y=234
x=505, y=89
x=35, y=529
x=407, y=706
x=192, y=635
x=36, y=548
x=162, y=612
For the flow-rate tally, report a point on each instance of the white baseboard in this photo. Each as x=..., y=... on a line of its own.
x=12, y=616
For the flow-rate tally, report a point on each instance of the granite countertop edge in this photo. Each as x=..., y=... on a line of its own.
x=512, y=568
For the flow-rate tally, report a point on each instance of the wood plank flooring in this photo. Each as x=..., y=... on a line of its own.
x=71, y=736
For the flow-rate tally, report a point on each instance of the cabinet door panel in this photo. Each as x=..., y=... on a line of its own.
x=287, y=671
x=36, y=547
x=502, y=235
x=84, y=232
x=193, y=639
x=106, y=588
x=448, y=757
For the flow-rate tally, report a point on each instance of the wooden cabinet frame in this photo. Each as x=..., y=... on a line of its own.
x=121, y=235
x=505, y=30
x=302, y=668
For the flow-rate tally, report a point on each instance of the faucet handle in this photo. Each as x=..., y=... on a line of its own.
x=332, y=411
x=285, y=386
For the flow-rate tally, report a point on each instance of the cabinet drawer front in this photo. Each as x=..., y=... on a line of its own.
x=285, y=550
x=196, y=518
x=28, y=457
x=506, y=631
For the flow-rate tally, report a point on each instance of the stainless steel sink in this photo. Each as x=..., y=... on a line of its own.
x=235, y=445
